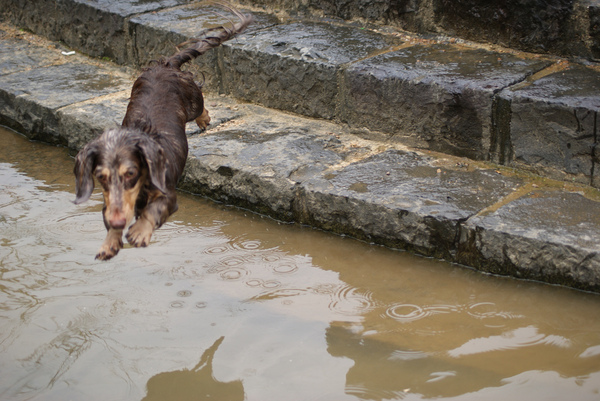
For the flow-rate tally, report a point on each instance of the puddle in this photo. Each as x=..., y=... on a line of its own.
x=227, y=305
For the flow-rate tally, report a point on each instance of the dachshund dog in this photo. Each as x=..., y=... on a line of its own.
x=139, y=163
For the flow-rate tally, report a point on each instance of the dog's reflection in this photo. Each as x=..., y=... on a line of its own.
x=194, y=384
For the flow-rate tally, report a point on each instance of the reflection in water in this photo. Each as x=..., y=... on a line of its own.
x=195, y=384
x=299, y=314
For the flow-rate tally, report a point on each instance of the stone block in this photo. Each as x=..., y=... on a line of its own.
x=542, y=26
x=432, y=96
x=546, y=235
x=553, y=123
x=30, y=98
x=158, y=33
x=81, y=122
x=91, y=28
x=17, y=55
x=401, y=199
x=295, y=66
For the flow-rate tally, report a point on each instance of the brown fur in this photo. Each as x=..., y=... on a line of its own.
x=139, y=163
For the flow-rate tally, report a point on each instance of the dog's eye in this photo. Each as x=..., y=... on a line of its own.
x=130, y=174
x=101, y=177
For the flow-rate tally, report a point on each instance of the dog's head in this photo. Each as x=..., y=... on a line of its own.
x=123, y=161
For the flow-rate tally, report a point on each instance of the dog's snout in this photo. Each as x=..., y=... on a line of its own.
x=117, y=221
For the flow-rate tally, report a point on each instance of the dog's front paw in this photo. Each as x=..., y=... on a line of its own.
x=204, y=120
x=140, y=233
x=109, y=248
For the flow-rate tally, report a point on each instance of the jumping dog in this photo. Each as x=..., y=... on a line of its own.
x=138, y=164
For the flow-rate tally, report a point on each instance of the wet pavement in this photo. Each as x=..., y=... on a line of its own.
x=384, y=163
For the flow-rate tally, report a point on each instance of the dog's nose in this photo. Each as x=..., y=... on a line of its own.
x=117, y=222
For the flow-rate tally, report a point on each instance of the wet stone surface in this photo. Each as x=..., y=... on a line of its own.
x=294, y=67
x=81, y=122
x=553, y=124
x=18, y=55
x=131, y=7
x=260, y=160
x=77, y=23
x=30, y=98
x=402, y=199
x=539, y=26
x=546, y=235
x=60, y=85
x=192, y=19
x=437, y=96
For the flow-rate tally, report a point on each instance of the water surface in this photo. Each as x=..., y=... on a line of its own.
x=228, y=305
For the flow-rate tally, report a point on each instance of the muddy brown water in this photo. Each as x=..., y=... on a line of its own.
x=228, y=305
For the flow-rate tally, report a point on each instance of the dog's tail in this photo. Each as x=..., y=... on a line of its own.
x=210, y=38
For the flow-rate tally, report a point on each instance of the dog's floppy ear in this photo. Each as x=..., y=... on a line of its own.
x=85, y=162
x=155, y=160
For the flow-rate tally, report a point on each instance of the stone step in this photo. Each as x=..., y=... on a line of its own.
x=568, y=28
x=520, y=110
x=320, y=173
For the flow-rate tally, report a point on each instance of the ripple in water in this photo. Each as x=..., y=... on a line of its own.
x=217, y=249
x=230, y=268
x=406, y=312
x=365, y=393
x=347, y=300
x=285, y=268
x=324, y=289
x=245, y=245
x=74, y=224
x=177, y=228
x=487, y=310
x=232, y=261
x=256, y=282
x=271, y=258
x=234, y=273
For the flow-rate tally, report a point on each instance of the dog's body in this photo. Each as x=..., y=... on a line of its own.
x=139, y=163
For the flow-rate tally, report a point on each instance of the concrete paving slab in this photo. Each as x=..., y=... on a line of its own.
x=433, y=96
x=553, y=125
x=294, y=66
x=545, y=235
